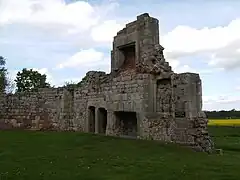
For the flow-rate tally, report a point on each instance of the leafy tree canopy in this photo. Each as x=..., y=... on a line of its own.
x=3, y=75
x=30, y=80
x=223, y=114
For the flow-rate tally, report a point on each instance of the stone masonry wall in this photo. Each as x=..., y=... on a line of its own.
x=164, y=96
x=157, y=126
x=191, y=121
x=41, y=110
x=65, y=109
x=179, y=117
x=168, y=106
x=143, y=33
x=125, y=92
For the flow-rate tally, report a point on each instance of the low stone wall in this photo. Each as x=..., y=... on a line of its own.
x=202, y=139
x=38, y=110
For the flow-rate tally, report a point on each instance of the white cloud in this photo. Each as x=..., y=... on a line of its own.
x=106, y=31
x=52, y=31
x=222, y=44
x=185, y=68
x=41, y=71
x=48, y=14
x=178, y=67
x=219, y=102
x=53, y=28
x=83, y=58
x=227, y=57
x=47, y=73
x=56, y=15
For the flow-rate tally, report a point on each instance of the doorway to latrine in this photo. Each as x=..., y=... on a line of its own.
x=91, y=119
x=102, y=120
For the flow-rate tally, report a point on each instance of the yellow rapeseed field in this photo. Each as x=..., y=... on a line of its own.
x=224, y=122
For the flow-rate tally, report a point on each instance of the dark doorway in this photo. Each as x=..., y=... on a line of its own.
x=127, y=122
x=129, y=54
x=102, y=120
x=91, y=119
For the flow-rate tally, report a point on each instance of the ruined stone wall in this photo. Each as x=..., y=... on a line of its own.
x=157, y=126
x=167, y=110
x=124, y=92
x=188, y=92
x=142, y=33
x=191, y=122
x=164, y=96
x=168, y=106
x=128, y=93
x=178, y=117
x=47, y=109
x=40, y=110
x=67, y=109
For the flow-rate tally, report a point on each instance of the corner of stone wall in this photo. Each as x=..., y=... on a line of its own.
x=202, y=139
x=191, y=121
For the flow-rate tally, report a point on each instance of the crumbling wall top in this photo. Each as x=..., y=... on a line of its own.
x=133, y=41
x=142, y=16
x=140, y=19
x=94, y=79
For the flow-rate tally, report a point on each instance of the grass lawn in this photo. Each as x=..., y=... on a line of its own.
x=70, y=156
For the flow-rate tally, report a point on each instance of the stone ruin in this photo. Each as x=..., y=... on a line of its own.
x=140, y=98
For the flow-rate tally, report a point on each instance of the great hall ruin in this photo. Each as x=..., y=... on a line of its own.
x=140, y=98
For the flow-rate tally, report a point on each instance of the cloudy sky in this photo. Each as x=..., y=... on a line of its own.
x=66, y=38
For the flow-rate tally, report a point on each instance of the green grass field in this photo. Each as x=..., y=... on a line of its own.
x=70, y=156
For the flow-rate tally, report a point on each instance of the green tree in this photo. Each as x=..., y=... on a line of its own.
x=3, y=74
x=30, y=80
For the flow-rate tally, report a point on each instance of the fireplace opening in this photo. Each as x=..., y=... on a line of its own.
x=127, y=123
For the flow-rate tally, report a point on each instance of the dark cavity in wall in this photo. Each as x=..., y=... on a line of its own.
x=127, y=123
x=91, y=119
x=129, y=55
x=164, y=82
x=102, y=118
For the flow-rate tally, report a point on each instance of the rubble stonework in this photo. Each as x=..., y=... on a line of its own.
x=140, y=98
